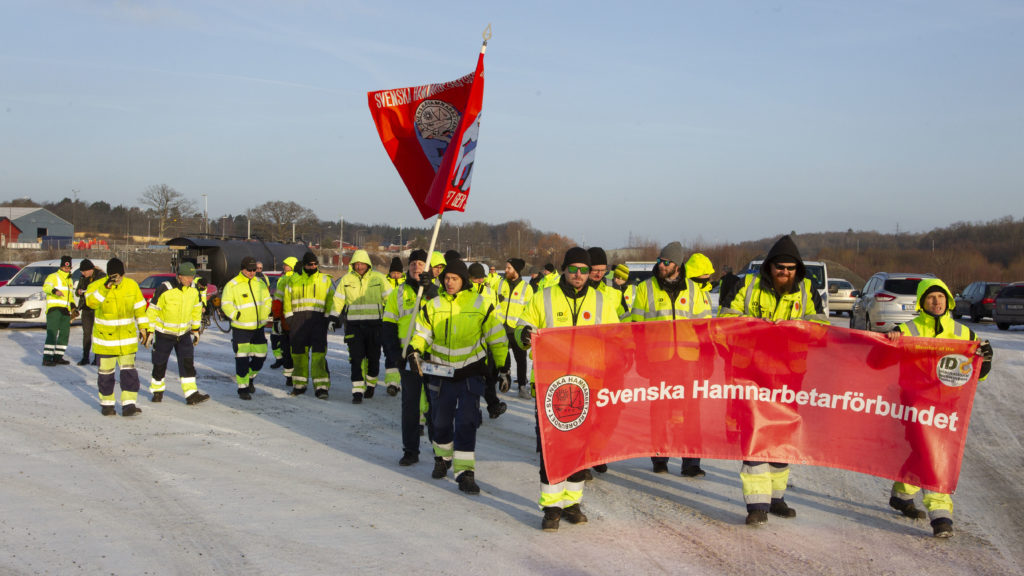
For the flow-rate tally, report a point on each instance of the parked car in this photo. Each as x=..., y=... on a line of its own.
x=7, y=271
x=1009, y=306
x=151, y=283
x=817, y=273
x=840, y=295
x=977, y=300
x=22, y=300
x=888, y=300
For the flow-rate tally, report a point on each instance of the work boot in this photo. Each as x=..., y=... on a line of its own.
x=497, y=410
x=108, y=410
x=321, y=393
x=422, y=430
x=408, y=459
x=357, y=397
x=288, y=381
x=251, y=388
x=244, y=394
x=907, y=508
x=392, y=390
x=62, y=361
x=158, y=397
x=552, y=514
x=659, y=467
x=369, y=392
x=587, y=476
x=574, y=515
x=692, y=472
x=277, y=364
x=196, y=397
x=467, y=483
x=779, y=508
x=757, y=518
x=47, y=361
x=130, y=410
x=84, y=361
x=441, y=467
x=297, y=390
x=601, y=468
x=524, y=393
x=942, y=527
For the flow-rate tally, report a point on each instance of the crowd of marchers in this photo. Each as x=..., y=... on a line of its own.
x=448, y=333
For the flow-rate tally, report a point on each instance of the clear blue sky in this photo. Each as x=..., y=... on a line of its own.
x=714, y=121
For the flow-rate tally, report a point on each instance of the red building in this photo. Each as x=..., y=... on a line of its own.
x=8, y=231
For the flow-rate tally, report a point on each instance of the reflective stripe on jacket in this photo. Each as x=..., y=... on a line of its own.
x=512, y=300
x=246, y=302
x=120, y=313
x=59, y=280
x=458, y=330
x=175, y=309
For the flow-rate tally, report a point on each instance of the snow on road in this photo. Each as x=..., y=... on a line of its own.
x=283, y=485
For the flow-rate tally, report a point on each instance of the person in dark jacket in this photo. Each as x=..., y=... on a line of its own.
x=89, y=274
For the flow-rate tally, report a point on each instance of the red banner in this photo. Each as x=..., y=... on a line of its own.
x=430, y=132
x=748, y=389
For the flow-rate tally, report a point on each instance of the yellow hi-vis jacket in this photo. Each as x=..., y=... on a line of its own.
x=553, y=308
x=361, y=298
x=59, y=280
x=512, y=300
x=175, y=309
x=459, y=330
x=120, y=314
x=304, y=293
x=246, y=302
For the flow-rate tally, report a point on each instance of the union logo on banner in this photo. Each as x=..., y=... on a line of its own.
x=567, y=402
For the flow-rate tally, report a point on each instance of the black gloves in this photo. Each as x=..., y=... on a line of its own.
x=425, y=278
x=527, y=336
x=332, y=323
x=985, y=350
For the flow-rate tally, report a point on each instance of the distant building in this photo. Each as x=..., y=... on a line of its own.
x=9, y=232
x=37, y=223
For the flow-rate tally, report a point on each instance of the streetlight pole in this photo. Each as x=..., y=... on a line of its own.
x=206, y=226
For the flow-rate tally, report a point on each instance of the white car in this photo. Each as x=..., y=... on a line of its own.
x=840, y=295
x=22, y=300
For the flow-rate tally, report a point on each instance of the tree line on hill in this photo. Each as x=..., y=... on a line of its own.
x=959, y=254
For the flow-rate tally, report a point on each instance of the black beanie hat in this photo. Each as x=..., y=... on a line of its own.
x=396, y=265
x=457, y=267
x=575, y=255
x=476, y=270
x=418, y=256
x=549, y=267
x=115, y=266
x=86, y=265
x=518, y=264
x=597, y=256
x=309, y=258
x=65, y=260
x=452, y=255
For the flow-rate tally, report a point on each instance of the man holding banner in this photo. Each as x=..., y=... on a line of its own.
x=778, y=292
x=572, y=302
x=934, y=302
x=667, y=296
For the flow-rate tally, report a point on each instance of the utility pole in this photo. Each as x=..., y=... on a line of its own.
x=206, y=227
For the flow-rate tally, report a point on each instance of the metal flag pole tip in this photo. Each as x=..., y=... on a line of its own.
x=487, y=33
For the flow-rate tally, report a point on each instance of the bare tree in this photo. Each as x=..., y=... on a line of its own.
x=276, y=218
x=167, y=204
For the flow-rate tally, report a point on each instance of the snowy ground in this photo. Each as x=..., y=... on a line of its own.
x=283, y=485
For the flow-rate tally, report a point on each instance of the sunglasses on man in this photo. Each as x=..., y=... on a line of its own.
x=578, y=269
x=785, y=267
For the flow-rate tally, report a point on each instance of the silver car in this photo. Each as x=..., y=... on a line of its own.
x=840, y=295
x=888, y=300
x=1009, y=309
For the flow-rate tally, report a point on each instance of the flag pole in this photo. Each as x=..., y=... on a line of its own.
x=433, y=242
